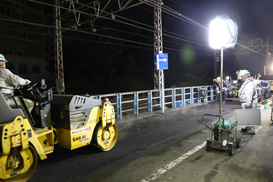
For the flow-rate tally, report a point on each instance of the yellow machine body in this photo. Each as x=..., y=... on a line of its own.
x=82, y=136
x=21, y=143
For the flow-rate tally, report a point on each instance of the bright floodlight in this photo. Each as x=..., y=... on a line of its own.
x=223, y=33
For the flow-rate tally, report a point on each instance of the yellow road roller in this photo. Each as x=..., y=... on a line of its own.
x=71, y=121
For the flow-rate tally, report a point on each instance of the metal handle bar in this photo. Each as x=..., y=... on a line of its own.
x=223, y=125
x=211, y=115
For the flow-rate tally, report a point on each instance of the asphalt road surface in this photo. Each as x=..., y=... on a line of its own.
x=158, y=147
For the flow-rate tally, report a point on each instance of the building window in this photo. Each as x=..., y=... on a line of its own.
x=5, y=29
x=7, y=49
x=46, y=49
x=5, y=10
x=20, y=2
x=20, y=15
x=21, y=32
x=10, y=66
x=23, y=69
x=22, y=51
x=36, y=69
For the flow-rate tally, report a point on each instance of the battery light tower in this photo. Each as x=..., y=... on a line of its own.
x=223, y=33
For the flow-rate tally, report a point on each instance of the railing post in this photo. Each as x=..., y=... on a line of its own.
x=119, y=108
x=136, y=103
x=162, y=100
x=150, y=101
x=191, y=95
x=206, y=87
x=174, y=98
x=183, y=96
x=211, y=93
x=198, y=93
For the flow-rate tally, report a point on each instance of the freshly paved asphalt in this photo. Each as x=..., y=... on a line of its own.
x=164, y=147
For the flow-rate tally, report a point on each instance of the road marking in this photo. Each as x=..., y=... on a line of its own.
x=174, y=163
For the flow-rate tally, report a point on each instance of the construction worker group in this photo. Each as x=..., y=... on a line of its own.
x=249, y=89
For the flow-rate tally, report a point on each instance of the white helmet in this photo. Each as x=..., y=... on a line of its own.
x=218, y=78
x=244, y=73
x=2, y=58
x=256, y=82
x=227, y=77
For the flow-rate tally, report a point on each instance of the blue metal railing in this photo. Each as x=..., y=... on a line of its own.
x=146, y=101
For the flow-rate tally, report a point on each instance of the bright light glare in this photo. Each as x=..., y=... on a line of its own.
x=217, y=34
x=222, y=33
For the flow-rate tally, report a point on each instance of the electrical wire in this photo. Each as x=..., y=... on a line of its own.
x=120, y=22
x=110, y=37
x=202, y=26
x=193, y=7
x=166, y=9
x=203, y=13
x=141, y=24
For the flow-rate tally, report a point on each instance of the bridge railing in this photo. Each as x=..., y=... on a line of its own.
x=148, y=100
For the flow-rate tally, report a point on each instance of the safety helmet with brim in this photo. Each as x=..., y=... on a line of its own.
x=2, y=58
x=244, y=73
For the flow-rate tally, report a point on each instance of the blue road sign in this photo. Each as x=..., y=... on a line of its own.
x=162, y=61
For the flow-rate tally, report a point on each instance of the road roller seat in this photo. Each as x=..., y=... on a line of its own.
x=7, y=113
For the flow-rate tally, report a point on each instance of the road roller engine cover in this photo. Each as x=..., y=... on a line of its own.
x=71, y=121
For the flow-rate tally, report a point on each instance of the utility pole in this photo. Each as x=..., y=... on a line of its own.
x=59, y=72
x=158, y=43
x=158, y=48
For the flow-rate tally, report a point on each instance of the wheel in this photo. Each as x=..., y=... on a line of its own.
x=208, y=147
x=16, y=166
x=230, y=149
x=238, y=142
x=105, y=138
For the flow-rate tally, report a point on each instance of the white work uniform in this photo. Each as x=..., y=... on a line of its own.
x=248, y=94
x=8, y=79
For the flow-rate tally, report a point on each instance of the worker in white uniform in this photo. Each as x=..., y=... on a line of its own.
x=227, y=80
x=247, y=93
x=10, y=80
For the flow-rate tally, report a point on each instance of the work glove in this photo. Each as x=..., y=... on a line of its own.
x=27, y=81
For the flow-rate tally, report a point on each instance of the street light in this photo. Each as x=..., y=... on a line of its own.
x=222, y=35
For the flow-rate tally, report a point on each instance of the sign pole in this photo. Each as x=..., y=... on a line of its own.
x=162, y=63
x=161, y=88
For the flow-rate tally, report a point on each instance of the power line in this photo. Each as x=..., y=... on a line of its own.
x=110, y=37
x=142, y=27
x=202, y=26
x=165, y=9
x=204, y=13
x=122, y=22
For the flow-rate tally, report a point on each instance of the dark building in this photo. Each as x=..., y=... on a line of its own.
x=22, y=38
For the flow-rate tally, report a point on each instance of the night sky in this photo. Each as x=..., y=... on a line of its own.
x=110, y=65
